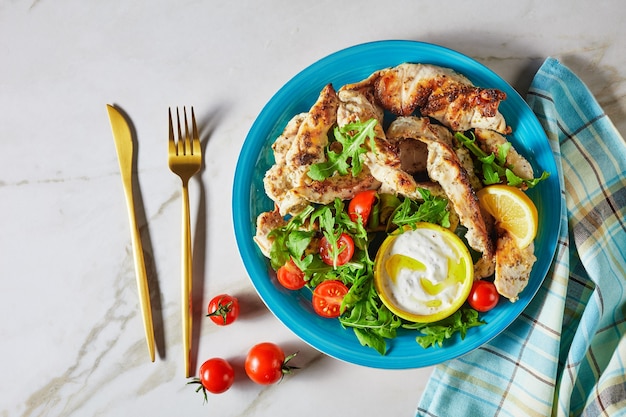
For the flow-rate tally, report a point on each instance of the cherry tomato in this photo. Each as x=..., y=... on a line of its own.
x=361, y=206
x=345, y=246
x=266, y=363
x=223, y=309
x=290, y=276
x=483, y=296
x=327, y=298
x=216, y=376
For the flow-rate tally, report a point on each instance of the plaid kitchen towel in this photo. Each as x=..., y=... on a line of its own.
x=566, y=353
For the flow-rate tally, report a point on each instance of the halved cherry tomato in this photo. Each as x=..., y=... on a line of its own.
x=361, y=206
x=290, y=276
x=223, y=309
x=345, y=247
x=483, y=296
x=216, y=376
x=266, y=363
x=327, y=298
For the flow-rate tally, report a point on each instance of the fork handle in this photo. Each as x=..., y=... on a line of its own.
x=186, y=275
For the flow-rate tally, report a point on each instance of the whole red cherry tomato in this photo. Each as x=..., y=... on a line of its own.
x=327, y=298
x=290, y=276
x=483, y=296
x=361, y=206
x=266, y=363
x=216, y=376
x=345, y=246
x=223, y=309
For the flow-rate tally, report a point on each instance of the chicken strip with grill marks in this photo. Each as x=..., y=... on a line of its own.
x=440, y=93
x=307, y=147
x=277, y=180
x=444, y=167
x=383, y=161
x=301, y=144
x=265, y=223
x=283, y=143
x=513, y=266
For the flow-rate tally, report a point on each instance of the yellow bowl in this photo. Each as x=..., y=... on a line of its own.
x=423, y=274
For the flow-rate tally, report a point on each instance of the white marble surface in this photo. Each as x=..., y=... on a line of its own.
x=71, y=338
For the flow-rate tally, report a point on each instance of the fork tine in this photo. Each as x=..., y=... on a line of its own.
x=180, y=150
x=188, y=150
x=172, y=143
x=195, y=137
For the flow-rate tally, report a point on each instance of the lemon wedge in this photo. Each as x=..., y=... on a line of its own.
x=423, y=274
x=512, y=210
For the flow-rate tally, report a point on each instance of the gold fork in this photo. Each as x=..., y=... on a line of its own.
x=185, y=159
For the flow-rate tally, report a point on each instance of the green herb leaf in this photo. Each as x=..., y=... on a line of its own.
x=435, y=334
x=370, y=319
x=298, y=241
x=351, y=137
x=535, y=181
x=494, y=167
x=282, y=245
x=368, y=338
x=433, y=210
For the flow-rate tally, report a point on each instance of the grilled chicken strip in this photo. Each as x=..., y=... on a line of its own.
x=383, y=161
x=513, y=266
x=445, y=168
x=440, y=93
x=302, y=144
x=265, y=223
x=307, y=147
x=490, y=141
x=344, y=187
x=283, y=143
x=277, y=180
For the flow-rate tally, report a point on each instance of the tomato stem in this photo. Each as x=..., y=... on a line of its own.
x=287, y=369
x=200, y=387
x=222, y=310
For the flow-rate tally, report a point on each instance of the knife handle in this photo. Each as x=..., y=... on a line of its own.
x=140, y=272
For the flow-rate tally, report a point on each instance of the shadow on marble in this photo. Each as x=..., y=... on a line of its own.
x=603, y=81
x=207, y=122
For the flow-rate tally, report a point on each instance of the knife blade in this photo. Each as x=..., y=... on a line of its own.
x=124, y=148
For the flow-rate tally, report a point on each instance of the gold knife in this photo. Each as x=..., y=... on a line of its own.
x=124, y=147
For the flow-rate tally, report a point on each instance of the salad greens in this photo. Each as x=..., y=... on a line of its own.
x=494, y=167
x=435, y=333
x=362, y=309
x=432, y=210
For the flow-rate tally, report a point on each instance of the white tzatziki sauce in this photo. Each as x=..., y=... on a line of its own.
x=420, y=265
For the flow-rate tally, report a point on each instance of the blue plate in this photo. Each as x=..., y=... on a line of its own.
x=249, y=199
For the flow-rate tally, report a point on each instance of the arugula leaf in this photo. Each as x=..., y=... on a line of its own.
x=433, y=210
x=298, y=241
x=436, y=333
x=351, y=137
x=279, y=254
x=367, y=338
x=371, y=321
x=494, y=167
x=535, y=181
x=284, y=246
x=326, y=219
